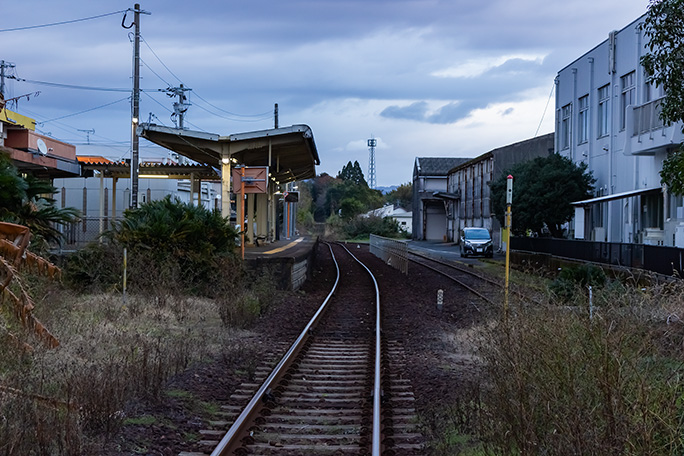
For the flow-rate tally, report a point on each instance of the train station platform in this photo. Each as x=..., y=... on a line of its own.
x=290, y=260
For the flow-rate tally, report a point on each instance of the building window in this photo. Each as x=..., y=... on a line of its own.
x=627, y=96
x=566, y=112
x=583, y=120
x=646, y=96
x=603, y=112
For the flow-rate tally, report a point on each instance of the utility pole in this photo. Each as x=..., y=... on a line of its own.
x=180, y=106
x=88, y=132
x=3, y=65
x=275, y=115
x=135, y=104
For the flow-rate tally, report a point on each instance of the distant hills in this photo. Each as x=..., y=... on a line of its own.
x=386, y=190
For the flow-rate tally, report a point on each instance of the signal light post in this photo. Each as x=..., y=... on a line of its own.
x=509, y=216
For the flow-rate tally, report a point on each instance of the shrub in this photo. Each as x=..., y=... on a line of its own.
x=562, y=383
x=172, y=247
x=363, y=227
x=573, y=281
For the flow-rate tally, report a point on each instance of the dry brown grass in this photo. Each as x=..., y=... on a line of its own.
x=110, y=353
x=561, y=383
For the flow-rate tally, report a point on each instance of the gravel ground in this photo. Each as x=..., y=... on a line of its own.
x=438, y=345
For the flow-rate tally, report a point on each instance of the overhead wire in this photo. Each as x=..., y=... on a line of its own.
x=235, y=120
x=261, y=116
x=29, y=27
x=68, y=128
x=73, y=86
x=82, y=112
x=154, y=72
x=160, y=60
x=545, y=108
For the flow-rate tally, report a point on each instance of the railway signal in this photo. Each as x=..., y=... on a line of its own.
x=509, y=203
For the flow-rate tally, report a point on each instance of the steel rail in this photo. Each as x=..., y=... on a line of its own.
x=470, y=289
x=228, y=443
x=467, y=271
x=518, y=293
x=376, y=439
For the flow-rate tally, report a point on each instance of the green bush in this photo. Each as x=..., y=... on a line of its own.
x=363, y=227
x=573, y=281
x=171, y=247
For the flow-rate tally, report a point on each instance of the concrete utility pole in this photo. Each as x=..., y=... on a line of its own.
x=135, y=104
x=3, y=65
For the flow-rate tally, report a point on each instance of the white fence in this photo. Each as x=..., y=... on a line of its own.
x=391, y=251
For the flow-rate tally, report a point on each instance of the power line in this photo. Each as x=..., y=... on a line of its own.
x=160, y=61
x=62, y=23
x=154, y=72
x=232, y=113
x=263, y=115
x=73, y=86
x=545, y=108
x=81, y=112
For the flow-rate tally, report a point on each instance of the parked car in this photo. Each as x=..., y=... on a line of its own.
x=476, y=241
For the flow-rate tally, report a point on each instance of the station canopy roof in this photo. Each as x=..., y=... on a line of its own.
x=122, y=169
x=292, y=149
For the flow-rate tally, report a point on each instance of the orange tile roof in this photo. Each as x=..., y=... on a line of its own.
x=90, y=159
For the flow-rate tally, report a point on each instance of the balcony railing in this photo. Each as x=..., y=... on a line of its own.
x=647, y=117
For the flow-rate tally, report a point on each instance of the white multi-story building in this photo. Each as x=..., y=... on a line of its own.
x=607, y=116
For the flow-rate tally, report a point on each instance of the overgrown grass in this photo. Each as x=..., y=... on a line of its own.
x=558, y=381
x=72, y=399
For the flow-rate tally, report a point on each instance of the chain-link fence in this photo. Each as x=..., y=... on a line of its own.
x=391, y=251
x=89, y=229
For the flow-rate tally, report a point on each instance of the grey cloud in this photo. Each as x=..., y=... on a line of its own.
x=453, y=112
x=414, y=111
x=515, y=67
x=449, y=113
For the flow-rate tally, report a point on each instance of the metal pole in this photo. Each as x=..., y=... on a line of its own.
x=242, y=211
x=2, y=78
x=125, y=272
x=509, y=203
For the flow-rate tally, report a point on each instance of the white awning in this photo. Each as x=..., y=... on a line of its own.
x=617, y=196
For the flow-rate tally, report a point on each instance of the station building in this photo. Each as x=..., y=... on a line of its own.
x=607, y=116
x=429, y=210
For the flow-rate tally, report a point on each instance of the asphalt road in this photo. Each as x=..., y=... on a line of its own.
x=448, y=250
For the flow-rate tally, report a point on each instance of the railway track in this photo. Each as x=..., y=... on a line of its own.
x=487, y=289
x=337, y=390
x=484, y=287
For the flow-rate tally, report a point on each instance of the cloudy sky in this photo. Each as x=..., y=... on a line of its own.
x=424, y=77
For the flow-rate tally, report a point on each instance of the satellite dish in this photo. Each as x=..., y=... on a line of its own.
x=42, y=147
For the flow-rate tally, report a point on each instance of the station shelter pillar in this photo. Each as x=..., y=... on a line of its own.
x=250, y=217
x=225, y=187
x=262, y=216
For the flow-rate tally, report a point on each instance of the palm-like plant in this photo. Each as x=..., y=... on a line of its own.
x=28, y=201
